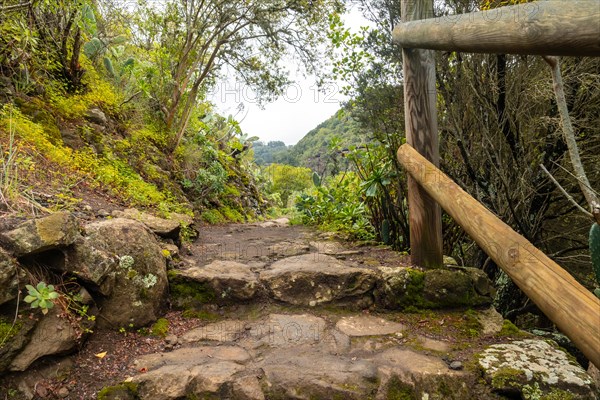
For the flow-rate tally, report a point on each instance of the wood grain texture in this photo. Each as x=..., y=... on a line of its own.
x=574, y=309
x=554, y=27
x=421, y=132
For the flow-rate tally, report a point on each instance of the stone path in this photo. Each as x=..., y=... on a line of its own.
x=309, y=318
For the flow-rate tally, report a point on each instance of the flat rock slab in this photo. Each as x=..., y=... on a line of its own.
x=433, y=344
x=367, y=326
x=303, y=373
x=178, y=381
x=313, y=279
x=193, y=356
x=54, y=231
x=229, y=280
x=282, y=330
x=161, y=226
x=533, y=362
x=224, y=331
x=275, y=223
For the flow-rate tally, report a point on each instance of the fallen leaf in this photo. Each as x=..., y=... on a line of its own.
x=128, y=379
x=101, y=355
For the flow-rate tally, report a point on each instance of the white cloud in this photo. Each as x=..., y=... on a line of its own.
x=291, y=116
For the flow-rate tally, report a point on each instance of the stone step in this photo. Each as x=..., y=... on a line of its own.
x=305, y=356
x=319, y=279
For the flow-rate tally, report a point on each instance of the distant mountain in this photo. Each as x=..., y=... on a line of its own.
x=314, y=149
x=271, y=152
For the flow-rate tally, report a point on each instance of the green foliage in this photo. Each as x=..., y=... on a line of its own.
x=41, y=296
x=337, y=205
x=212, y=217
x=287, y=179
x=323, y=149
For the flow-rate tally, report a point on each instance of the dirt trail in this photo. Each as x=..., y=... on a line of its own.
x=264, y=348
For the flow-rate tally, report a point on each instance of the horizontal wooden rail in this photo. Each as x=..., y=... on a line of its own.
x=573, y=308
x=560, y=28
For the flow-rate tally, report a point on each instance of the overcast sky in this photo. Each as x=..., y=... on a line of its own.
x=291, y=116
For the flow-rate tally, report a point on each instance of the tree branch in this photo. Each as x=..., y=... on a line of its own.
x=564, y=192
x=569, y=136
x=15, y=6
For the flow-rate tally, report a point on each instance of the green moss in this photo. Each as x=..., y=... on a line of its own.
x=172, y=274
x=508, y=378
x=411, y=298
x=212, y=217
x=398, y=390
x=124, y=391
x=558, y=394
x=191, y=294
x=8, y=330
x=232, y=215
x=160, y=328
x=472, y=327
x=509, y=329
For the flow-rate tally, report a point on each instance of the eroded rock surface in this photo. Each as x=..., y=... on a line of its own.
x=314, y=279
x=10, y=273
x=54, y=231
x=224, y=281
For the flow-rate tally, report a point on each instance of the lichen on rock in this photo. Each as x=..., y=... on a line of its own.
x=511, y=366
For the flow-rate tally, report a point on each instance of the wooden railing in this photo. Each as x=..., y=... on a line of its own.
x=573, y=308
x=565, y=27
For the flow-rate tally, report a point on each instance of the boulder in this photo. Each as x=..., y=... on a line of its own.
x=532, y=366
x=54, y=231
x=93, y=263
x=52, y=335
x=456, y=287
x=97, y=116
x=220, y=282
x=404, y=287
x=10, y=274
x=124, y=253
x=313, y=279
x=160, y=226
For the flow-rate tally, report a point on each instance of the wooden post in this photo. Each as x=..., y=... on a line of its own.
x=421, y=132
x=573, y=308
x=560, y=28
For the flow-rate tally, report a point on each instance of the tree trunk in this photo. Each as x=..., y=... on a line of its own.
x=421, y=133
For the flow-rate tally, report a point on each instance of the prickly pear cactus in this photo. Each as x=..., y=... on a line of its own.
x=595, y=253
x=316, y=179
x=595, y=249
x=385, y=232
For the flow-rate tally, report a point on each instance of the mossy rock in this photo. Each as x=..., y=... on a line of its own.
x=412, y=289
x=13, y=338
x=187, y=294
x=449, y=288
x=398, y=390
x=160, y=328
x=124, y=391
